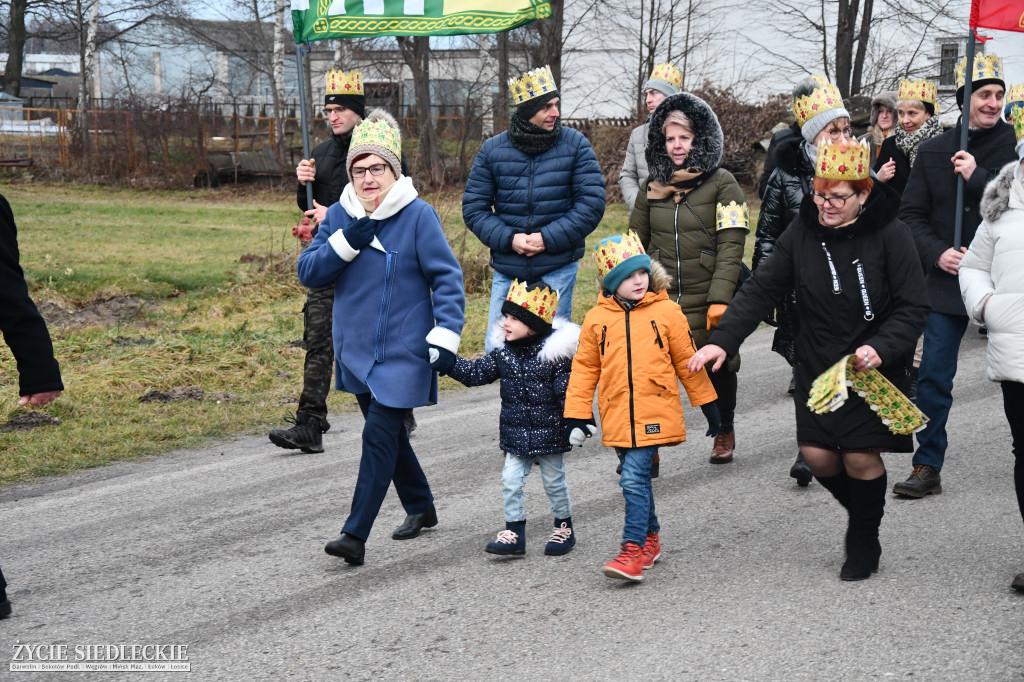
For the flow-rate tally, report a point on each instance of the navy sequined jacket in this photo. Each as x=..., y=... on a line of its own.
x=534, y=378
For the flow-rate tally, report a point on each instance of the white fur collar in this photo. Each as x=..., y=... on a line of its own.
x=562, y=342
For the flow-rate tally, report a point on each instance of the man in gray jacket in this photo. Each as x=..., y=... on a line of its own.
x=665, y=80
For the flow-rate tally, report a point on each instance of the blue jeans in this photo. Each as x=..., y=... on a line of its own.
x=552, y=472
x=942, y=336
x=562, y=280
x=387, y=456
x=636, y=488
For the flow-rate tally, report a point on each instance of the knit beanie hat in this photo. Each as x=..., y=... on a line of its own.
x=666, y=79
x=533, y=304
x=815, y=111
x=531, y=91
x=346, y=90
x=618, y=257
x=377, y=134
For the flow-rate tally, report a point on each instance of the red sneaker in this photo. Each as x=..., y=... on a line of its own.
x=628, y=565
x=651, y=551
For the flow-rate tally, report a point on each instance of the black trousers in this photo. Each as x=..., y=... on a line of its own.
x=3, y=583
x=1013, y=405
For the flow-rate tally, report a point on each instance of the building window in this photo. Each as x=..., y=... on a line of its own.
x=947, y=63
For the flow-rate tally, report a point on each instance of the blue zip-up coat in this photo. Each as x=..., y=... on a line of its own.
x=392, y=299
x=559, y=193
x=534, y=377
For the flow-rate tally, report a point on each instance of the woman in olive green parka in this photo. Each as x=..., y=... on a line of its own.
x=675, y=215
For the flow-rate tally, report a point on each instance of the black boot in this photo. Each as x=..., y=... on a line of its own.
x=306, y=435
x=867, y=506
x=348, y=547
x=414, y=523
x=839, y=487
x=5, y=604
x=800, y=471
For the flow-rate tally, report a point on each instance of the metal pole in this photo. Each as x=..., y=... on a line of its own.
x=958, y=225
x=302, y=115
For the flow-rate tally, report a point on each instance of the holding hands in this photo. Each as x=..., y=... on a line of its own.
x=441, y=360
x=709, y=353
x=580, y=430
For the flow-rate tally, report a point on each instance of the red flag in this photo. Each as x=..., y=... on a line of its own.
x=1002, y=15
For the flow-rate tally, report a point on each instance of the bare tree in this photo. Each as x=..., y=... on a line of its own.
x=416, y=54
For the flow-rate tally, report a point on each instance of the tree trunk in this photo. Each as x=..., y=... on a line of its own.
x=845, y=25
x=15, y=48
x=862, y=47
x=416, y=53
x=502, y=103
x=277, y=81
x=551, y=40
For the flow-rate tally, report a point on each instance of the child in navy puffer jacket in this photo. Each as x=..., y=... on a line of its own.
x=533, y=359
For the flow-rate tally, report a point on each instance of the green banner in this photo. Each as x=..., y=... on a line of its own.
x=327, y=19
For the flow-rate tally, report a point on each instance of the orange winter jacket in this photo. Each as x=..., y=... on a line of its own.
x=633, y=358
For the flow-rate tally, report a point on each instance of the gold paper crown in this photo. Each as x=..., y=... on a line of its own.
x=341, y=83
x=1017, y=116
x=985, y=66
x=923, y=90
x=611, y=251
x=541, y=302
x=1014, y=94
x=531, y=84
x=378, y=133
x=822, y=99
x=835, y=164
x=731, y=215
x=821, y=80
x=668, y=73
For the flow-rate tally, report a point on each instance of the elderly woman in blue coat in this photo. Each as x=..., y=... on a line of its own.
x=398, y=293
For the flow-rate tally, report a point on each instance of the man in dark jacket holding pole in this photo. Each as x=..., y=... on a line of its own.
x=25, y=332
x=533, y=196
x=929, y=208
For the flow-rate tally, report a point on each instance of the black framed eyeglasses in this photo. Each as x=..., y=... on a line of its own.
x=836, y=201
x=837, y=133
x=376, y=170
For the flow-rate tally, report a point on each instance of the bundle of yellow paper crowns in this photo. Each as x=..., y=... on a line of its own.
x=341, y=83
x=377, y=132
x=985, y=66
x=921, y=90
x=733, y=215
x=611, y=251
x=668, y=73
x=1017, y=116
x=834, y=164
x=1014, y=94
x=531, y=84
x=541, y=302
x=822, y=99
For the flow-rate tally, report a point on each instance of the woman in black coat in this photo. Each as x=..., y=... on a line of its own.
x=915, y=110
x=859, y=290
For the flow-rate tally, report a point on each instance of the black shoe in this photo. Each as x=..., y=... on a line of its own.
x=306, y=435
x=800, y=471
x=349, y=548
x=5, y=604
x=414, y=523
x=655, y=466
x=618, y=469
x=792, y=385
x=1017, y=584
x=924, y=480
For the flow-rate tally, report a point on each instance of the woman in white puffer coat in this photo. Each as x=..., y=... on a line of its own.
x=992, y=285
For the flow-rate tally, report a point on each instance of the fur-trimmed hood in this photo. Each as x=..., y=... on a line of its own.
x=996, y=199
x=706, y=152
x=560, y=343
x=659, y=279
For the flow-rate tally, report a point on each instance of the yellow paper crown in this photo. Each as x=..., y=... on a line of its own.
x=531, y=84
x=822, y=99
x=611, y=251
x=835, y=164
x=1014, y=94
x=1017, y=116
x=377, y=132
x=985, y=66
x=922, y=90
x=731, y=215
x=668, y=73
x=341, y=83
x=542, y=302
x=821, y=80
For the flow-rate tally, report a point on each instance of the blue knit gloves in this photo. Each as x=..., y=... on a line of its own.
x=714, y=418
x=441, y=359
x=359, y=233
x=580, y=430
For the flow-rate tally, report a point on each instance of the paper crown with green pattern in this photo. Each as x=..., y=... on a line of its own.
x=377, y=134
x=732, y=215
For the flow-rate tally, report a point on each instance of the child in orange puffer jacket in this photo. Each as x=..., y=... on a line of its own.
x=633, y=346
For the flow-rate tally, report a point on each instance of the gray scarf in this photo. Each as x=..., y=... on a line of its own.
x=909, y=142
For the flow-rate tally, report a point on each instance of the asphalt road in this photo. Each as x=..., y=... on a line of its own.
x=221, y=550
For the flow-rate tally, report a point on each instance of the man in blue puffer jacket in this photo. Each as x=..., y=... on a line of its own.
x=534, y=194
